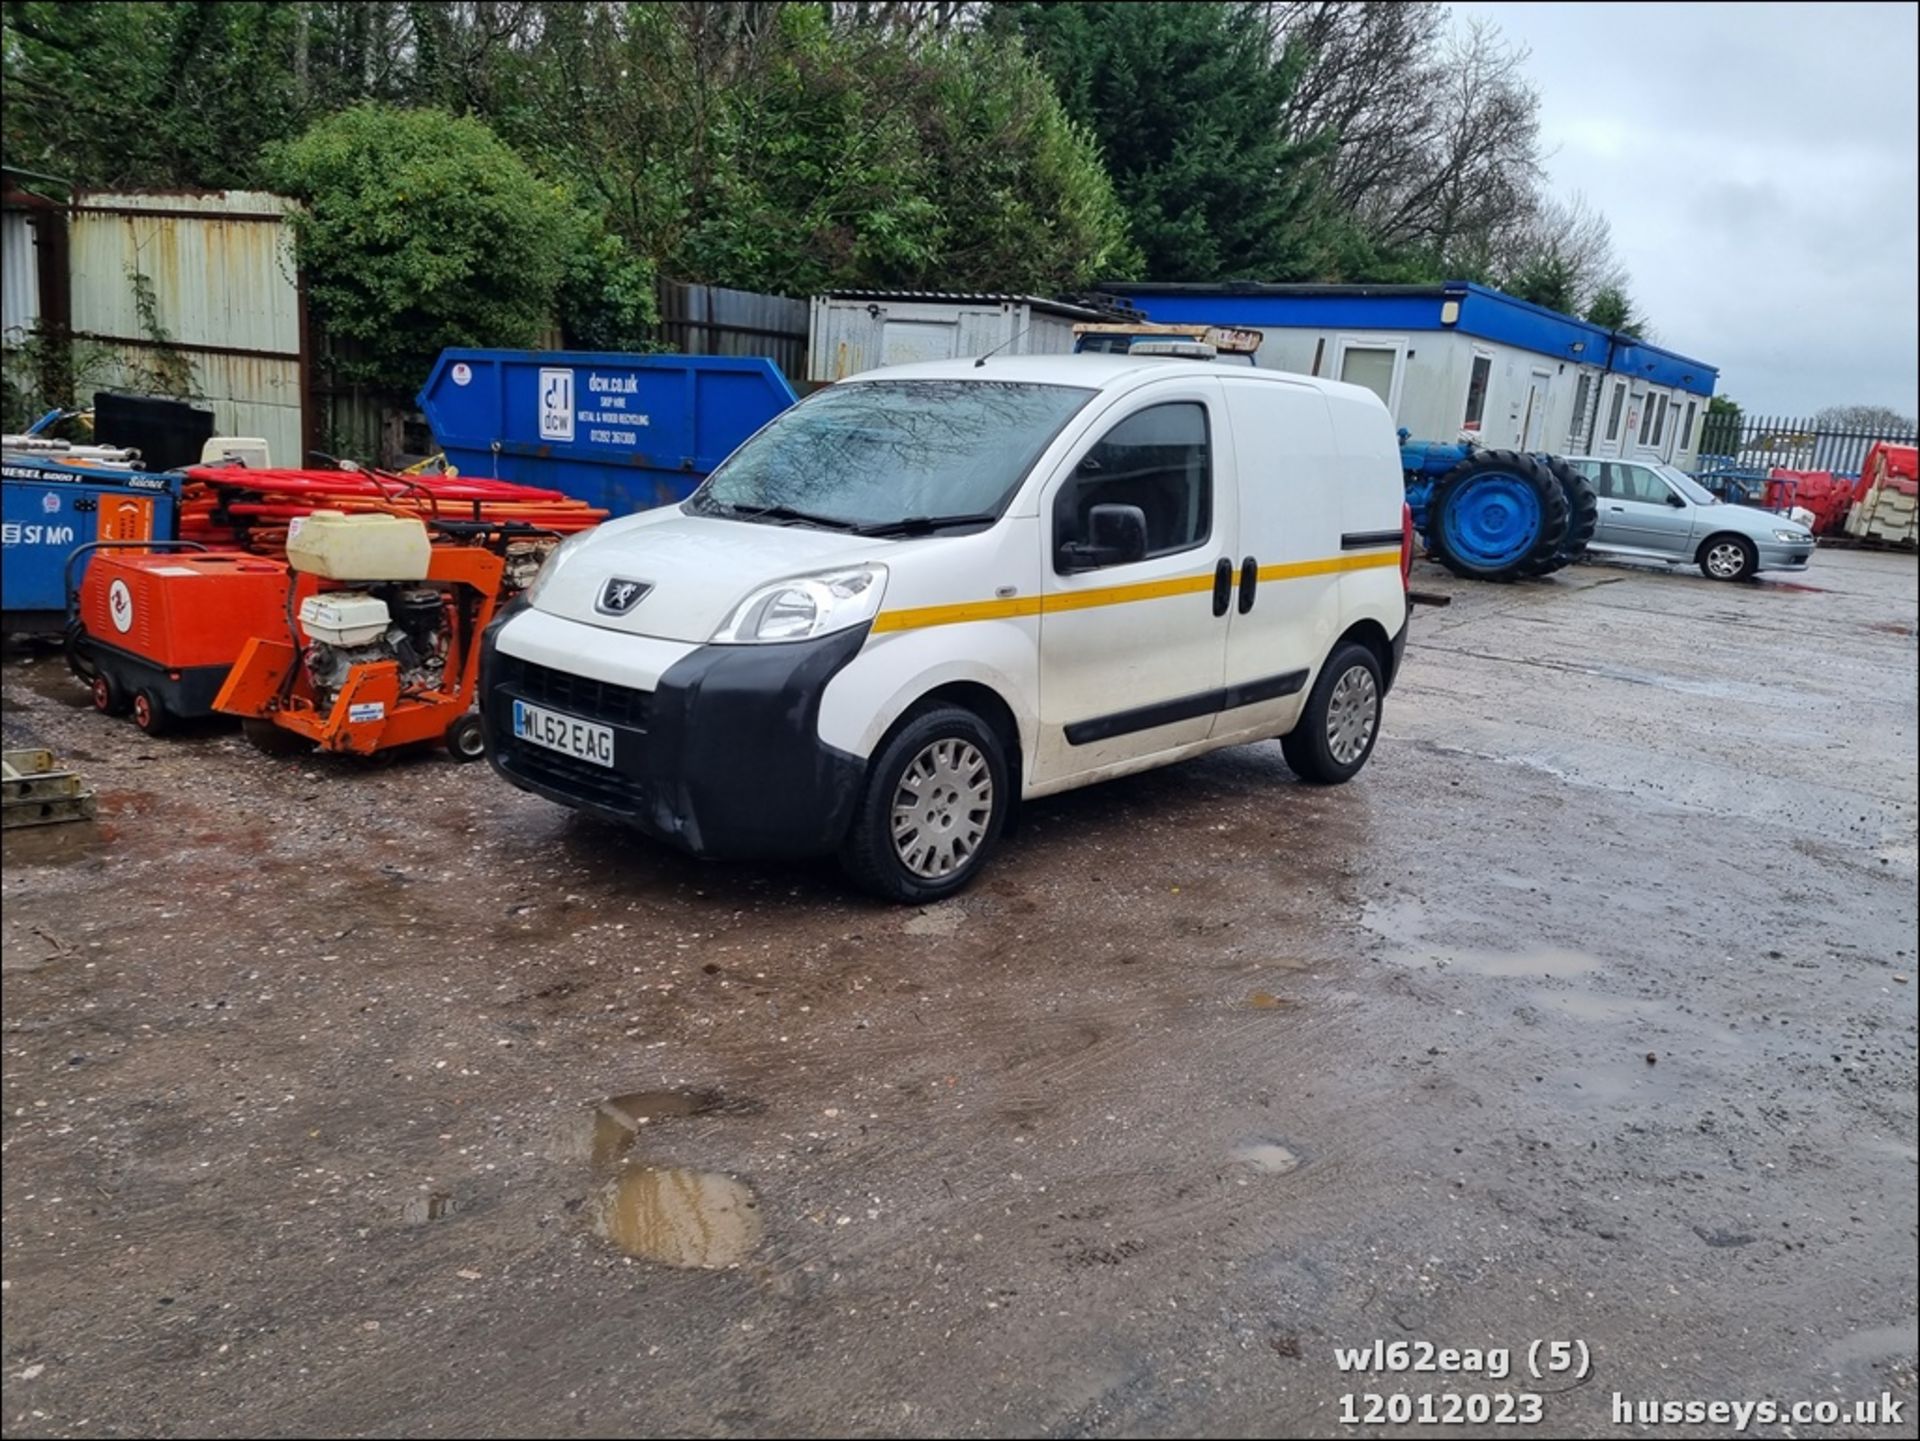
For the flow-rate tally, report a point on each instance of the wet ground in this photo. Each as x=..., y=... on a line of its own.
x=397, y=1101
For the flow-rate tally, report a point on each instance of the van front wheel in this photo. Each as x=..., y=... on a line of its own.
x=935, y=800
x=1341, y=720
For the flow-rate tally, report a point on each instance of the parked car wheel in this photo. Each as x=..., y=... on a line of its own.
x=150, y=713
x=1728, y=557
x=935, y=801
x=1341, y=720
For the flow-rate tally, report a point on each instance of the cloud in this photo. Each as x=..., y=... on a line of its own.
x=1758, y=164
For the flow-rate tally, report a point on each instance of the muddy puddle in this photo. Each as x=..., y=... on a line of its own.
x=679, y=1217
x=1265, y=1158
x=1526, y=965
x=670, y=1214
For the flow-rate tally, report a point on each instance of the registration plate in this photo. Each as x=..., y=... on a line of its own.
x=571, y=736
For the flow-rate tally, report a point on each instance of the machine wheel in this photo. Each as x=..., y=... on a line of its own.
x=1583, y=518
x=935, y=800
x=109, y=696
x=150, y=713
x=1495, y=512
x=270, y=739
x=467, y=738
x=1728, y=557
x=1341, y=720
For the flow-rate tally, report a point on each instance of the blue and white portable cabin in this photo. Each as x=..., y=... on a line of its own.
x=1463, y=361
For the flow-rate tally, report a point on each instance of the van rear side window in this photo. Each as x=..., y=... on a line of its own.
x=1159, y=459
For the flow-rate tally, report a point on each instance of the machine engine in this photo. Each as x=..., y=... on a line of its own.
x=400, y=622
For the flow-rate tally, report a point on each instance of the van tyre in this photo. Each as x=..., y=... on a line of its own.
x=1341, y=721
x=1728, y=557
x=935, y=800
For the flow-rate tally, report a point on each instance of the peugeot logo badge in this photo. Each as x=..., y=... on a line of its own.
x=619, y=596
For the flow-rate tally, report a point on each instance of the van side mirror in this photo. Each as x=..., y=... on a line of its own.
x=1675, y=501
x=1116, y=535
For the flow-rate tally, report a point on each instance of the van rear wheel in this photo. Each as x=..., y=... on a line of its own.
x=1341, y=720
x=935, y=801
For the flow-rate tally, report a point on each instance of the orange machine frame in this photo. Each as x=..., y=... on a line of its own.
x=371, y=713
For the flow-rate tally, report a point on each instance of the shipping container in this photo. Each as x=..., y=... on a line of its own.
x=856, y=330
x=619, y=431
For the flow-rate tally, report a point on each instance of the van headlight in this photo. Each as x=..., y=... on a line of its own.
x=551, y=565
x=1792, y=537
x=805, y=606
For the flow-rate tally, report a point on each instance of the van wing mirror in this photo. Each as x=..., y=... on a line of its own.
x=1116, y=535
x=1677, y=502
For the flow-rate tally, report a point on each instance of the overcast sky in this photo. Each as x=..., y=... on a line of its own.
x=1758, y=165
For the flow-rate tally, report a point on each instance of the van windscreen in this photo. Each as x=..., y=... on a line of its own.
x=876, y=453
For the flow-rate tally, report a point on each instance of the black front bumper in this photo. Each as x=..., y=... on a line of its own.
x=722, y=758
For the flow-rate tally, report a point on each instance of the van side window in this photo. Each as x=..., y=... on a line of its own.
x=1159, y=459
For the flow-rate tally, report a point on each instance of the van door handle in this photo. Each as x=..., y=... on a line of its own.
x=1222, y=585
x=1249, y=582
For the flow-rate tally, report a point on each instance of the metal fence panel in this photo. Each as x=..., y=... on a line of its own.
x=209, y=277
x=1763, y=443
x=713, y=320
x=19, y=277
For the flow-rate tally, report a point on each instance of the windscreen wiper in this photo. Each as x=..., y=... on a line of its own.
x=785, y=513
x=923, y=524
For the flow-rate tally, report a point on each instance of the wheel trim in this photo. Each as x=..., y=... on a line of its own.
x=1353, y=710
x=1726, y=559
x=942, y=808
x=102, y=694
x=142, y=711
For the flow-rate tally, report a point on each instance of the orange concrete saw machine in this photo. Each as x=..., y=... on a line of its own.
x=389, y=624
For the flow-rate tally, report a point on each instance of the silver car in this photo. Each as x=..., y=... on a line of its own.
x=1653, y=512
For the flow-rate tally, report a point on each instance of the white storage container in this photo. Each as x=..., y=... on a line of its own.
x=855, y=330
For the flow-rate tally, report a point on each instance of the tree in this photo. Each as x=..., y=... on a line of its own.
x=1430, y=136
x=1880, y=420
x=421, y=231
x=1188, y=104
x=759, y=147
x=153, y=94
x=1612, y=307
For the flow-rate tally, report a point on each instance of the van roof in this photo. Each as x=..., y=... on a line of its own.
x=1098, y=370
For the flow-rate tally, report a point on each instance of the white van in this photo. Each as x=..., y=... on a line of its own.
x=932, y=591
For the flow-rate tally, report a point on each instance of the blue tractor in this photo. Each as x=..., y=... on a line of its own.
x=1497, y=514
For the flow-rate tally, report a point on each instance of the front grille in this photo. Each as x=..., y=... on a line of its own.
x=580, y=780
x=574, y=694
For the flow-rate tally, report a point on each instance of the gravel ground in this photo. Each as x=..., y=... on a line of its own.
x=374, y=1102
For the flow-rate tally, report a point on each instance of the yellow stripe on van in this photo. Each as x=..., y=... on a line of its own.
x=961, y=612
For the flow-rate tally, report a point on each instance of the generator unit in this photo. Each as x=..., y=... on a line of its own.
x=154, y=634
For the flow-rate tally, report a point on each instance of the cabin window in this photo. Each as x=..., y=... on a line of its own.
x=1477, y=391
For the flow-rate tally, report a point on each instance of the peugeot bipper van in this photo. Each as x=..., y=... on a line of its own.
x=930, y=592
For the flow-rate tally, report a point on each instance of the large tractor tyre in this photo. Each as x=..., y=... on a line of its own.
x=1583, y=518
x=1495, y=512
